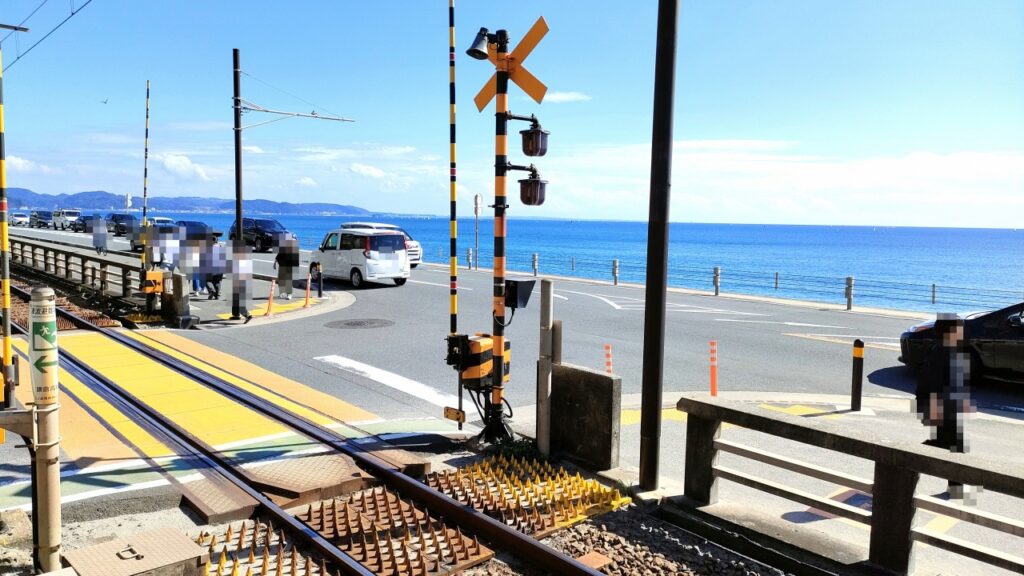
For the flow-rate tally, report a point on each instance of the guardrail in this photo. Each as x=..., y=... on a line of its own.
x=102, y=273
x=897, y=468
x=784, y=284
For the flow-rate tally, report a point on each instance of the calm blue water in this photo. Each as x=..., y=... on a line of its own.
x=893, y=267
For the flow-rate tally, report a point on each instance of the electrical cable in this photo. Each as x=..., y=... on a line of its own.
x=283, y=91
x=25, y=53
x=22, y=23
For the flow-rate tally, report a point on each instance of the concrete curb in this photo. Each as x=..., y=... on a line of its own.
x=333, y=301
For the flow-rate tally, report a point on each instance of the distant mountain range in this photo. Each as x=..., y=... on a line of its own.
x=24, y=199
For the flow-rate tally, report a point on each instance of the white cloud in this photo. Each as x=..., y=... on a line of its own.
x=307, y=182
x=18, y=164
x=561, y=97
x=253, y=149
x=366, y=170
x=180, y=166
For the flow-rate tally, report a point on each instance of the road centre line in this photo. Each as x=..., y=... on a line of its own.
x=847, y=341
x=437, y=284
x=390, y=379
x=858, y=336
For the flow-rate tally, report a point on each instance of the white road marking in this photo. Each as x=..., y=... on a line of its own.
x=559, y=296
x=629, y=303
x=437, y=284
x=396, y=381
x=801, y=324
x=858, y=336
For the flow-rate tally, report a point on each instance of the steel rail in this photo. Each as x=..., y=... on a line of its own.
x=510, y=539
x=187, y=446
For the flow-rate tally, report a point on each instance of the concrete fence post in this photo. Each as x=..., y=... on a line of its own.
x=615, y=271
x=699, y=483
x=717, y=279
x=103, y=277
x=933, y=293
x=556, y=342
x=849, y=292
x=469, y=258
x=536, y=263
x=544, y=365
x=892, y=518
x=776, y=280
x=126, y=282
x=572, y=263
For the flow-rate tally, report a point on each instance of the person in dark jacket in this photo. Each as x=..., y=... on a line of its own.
x=942, y=394
x=286, y=261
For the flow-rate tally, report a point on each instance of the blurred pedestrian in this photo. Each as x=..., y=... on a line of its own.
x=286, y=261
x=97, y=226
x=214, y=265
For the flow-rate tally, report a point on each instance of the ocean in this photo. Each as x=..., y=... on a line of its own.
x=892, y=267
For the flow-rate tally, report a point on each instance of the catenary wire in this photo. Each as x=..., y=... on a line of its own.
x=57, y=27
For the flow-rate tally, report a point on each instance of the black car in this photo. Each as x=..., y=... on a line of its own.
x=41, y=219
x=196, y=230
x=259, y=233
x=121, y=224
x=995, y=341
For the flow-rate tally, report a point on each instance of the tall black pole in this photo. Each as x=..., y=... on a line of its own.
x=657, y=245
x=236, y=297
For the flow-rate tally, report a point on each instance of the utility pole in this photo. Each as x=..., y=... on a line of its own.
x=238, y=304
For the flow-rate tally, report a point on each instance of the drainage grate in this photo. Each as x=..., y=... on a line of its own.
x=359, y=323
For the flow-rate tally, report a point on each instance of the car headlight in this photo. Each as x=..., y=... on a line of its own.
x=921, y=328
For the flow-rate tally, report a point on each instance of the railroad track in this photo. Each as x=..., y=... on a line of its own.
x=393, y=530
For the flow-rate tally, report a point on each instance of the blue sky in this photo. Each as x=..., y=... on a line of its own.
x=807, y=112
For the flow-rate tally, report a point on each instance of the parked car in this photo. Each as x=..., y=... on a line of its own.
x=18, y=219
x=40, y=219
x=196, y=230
x=364, y=254
x=160, y=220
x=122, y=224
x=994, y=340
x=68, y=220
x=411, y=246
x=258, y=233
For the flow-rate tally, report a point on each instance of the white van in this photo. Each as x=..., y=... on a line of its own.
x=359, y=255
x=412, y=246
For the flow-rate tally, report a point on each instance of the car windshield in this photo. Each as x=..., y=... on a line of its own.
x=389, y=243
x=272, y=225
x=44, y=214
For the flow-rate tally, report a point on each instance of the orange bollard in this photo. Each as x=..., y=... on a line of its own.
x=309, y=277
x=714, y=368
x=270, y=299
x=608, y=358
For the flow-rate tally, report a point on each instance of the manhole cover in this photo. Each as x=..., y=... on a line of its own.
x=360, y=323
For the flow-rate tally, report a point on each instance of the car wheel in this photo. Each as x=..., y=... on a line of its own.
x=260, y=247
x=400, y=281
x=413, y=265
x=356, y=278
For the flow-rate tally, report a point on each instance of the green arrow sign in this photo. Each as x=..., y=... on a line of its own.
x=40, y=365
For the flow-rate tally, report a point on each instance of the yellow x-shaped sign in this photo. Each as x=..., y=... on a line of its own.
x=516, y=72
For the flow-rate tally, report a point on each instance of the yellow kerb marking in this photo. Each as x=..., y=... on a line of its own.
x=798, y=410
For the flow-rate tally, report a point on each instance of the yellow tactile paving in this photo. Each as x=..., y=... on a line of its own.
x=86, y=440
x=800, y=410
x=630, y=417
x=259, y=310
x=198, y=409
x=273, y=387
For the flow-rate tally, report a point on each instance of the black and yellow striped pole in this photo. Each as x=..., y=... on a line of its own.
x=453, y=230
x=7, y=390
x=497, y=428
x=145, y=163
x=145, y=179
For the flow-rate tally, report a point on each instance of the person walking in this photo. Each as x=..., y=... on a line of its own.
x=98, y=228
x=286, y=261
x=215, y=266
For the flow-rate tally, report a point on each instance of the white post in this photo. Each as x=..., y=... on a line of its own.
x=544, y=367
x=43, y=355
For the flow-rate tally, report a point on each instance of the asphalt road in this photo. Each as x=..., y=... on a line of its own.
x=763, y=346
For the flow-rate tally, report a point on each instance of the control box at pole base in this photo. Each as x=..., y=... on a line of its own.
x=479, y=363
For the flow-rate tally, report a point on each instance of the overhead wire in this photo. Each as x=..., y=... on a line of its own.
x=22, y=23
x=283, y=91
x=55, y=28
